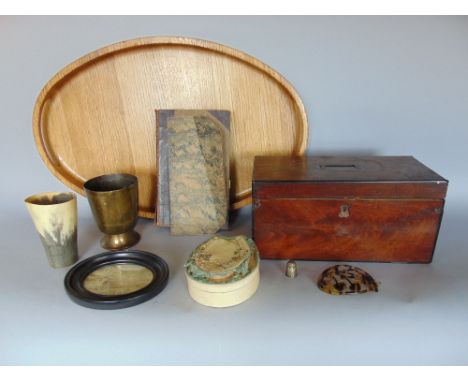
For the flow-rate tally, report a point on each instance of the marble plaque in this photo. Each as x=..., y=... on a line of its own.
x=193, y=183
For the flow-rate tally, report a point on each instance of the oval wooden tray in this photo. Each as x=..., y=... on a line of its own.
x=97, y=115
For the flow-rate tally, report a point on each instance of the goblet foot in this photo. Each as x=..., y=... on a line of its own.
x=120, y=241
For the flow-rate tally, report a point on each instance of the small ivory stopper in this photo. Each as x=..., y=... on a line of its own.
x=291, y=269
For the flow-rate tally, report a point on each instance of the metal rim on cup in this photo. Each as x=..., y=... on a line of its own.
x=97, y=184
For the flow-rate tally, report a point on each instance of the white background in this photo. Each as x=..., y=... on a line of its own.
x=371, y=85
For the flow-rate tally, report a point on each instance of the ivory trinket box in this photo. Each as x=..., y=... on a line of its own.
x=365, y=208
x=223, y=271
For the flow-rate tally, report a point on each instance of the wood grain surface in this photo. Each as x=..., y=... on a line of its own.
x=387, y=230
x=97, y=115
x=342, y=208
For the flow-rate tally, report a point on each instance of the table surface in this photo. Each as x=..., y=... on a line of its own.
x=419, y=316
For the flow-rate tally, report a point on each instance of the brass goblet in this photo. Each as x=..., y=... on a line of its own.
x=113, y=199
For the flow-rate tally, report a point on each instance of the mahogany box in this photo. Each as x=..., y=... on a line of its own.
x=343, y=208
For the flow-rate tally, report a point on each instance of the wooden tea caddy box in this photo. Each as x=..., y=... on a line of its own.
x=343, y=208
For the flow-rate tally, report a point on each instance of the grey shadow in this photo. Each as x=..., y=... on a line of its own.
x=88, y=235
x=240, y=221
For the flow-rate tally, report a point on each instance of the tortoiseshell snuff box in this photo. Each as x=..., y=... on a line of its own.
x=343, y=208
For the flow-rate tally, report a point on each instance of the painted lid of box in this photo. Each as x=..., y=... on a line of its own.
x=346, y=176
x=222, y=260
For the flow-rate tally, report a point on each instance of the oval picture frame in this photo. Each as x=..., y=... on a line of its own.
x=74, y=280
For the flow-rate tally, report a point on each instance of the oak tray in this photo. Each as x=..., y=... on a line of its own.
x=97, y=115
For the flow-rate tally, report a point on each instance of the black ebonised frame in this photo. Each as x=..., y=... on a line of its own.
x=75, y=278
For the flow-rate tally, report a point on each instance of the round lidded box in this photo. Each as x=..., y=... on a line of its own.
x=223, y=271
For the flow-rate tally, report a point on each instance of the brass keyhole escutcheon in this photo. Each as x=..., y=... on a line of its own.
x=344, y=211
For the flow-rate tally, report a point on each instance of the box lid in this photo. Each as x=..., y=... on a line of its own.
x=222, y=260
x=346, y=176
